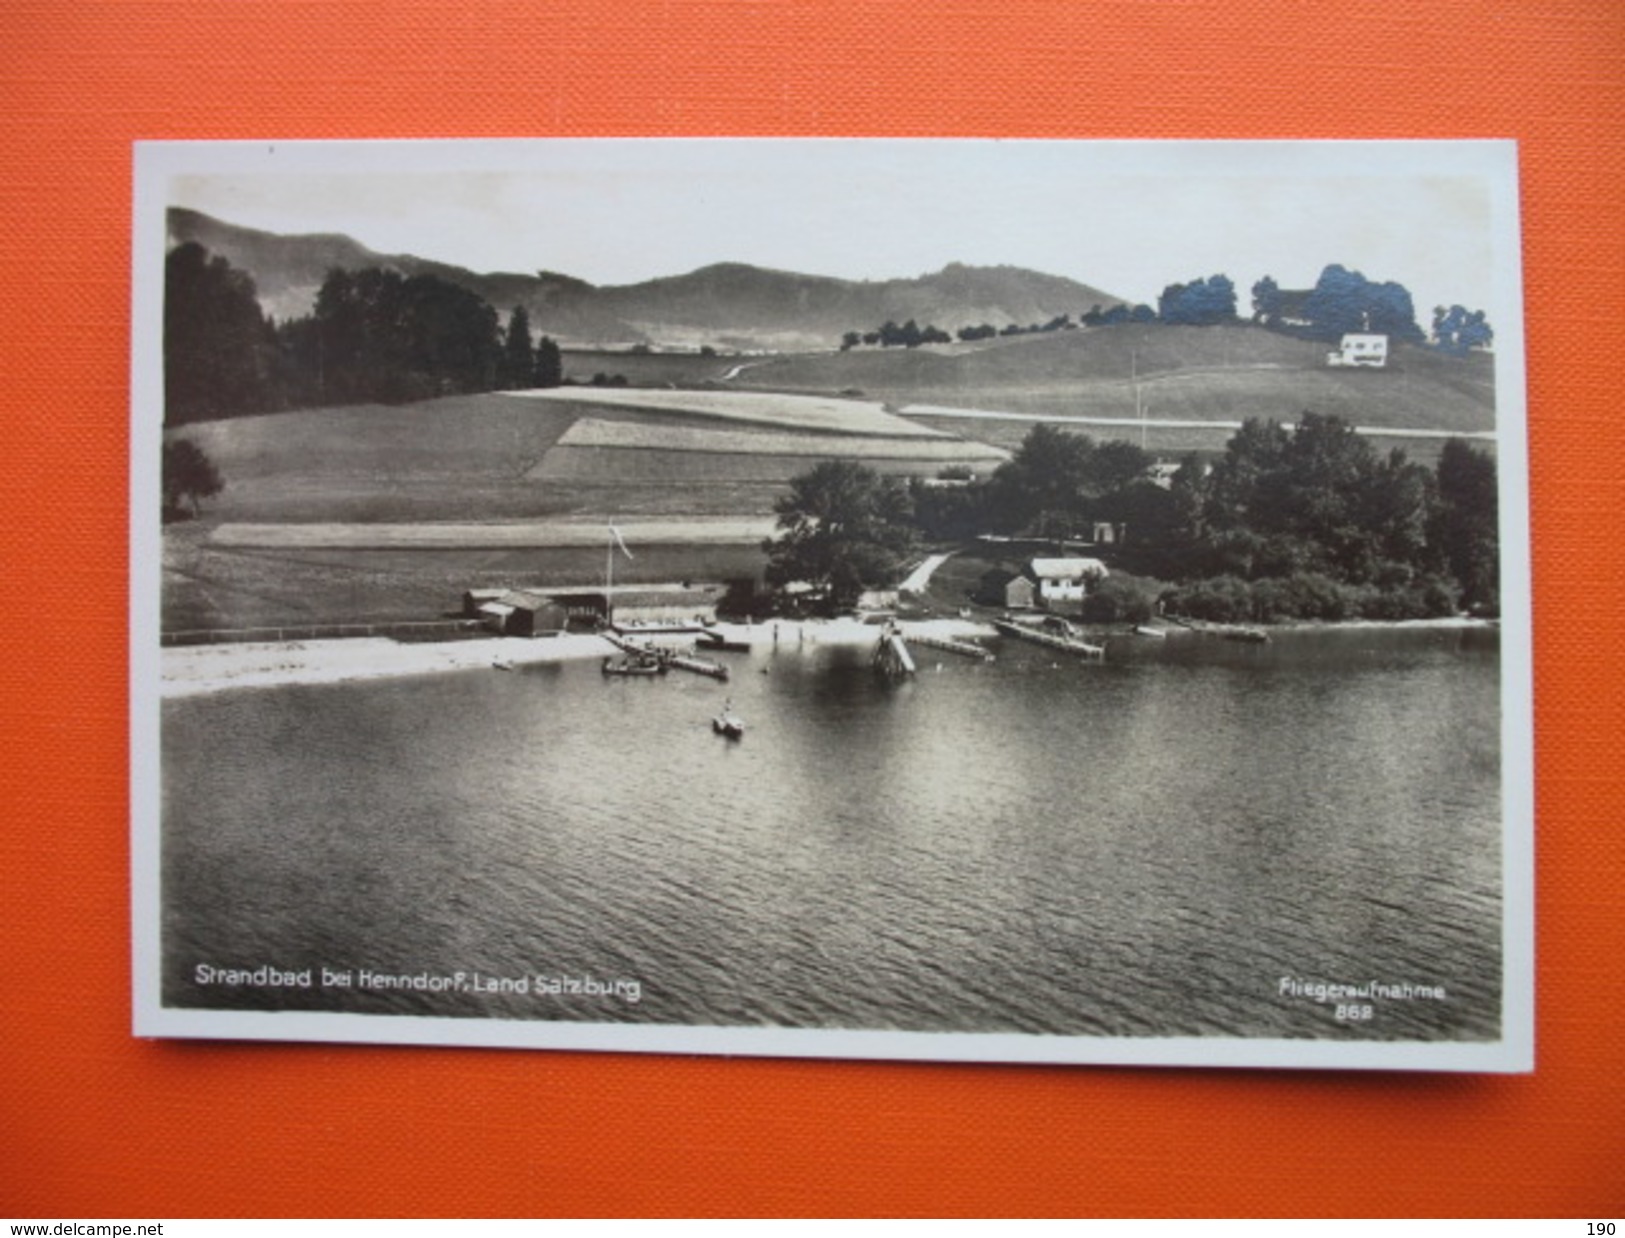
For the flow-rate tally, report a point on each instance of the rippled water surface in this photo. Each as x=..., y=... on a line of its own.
x=1149, y=846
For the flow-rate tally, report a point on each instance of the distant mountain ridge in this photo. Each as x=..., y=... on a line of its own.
x=726, y=305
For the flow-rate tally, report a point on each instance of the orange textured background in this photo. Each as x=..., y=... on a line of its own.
x=95, y=1123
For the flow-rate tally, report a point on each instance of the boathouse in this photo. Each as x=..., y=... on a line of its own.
x=543, y=612
x=521, y=613
x=1061, y=581
x=1001, y=587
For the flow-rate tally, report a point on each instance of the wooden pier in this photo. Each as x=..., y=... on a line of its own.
x=948, y=645
x=1050, y=640
x=1230, y=631
x=667, y=657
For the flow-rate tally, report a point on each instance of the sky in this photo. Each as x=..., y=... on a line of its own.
x=1126, y=217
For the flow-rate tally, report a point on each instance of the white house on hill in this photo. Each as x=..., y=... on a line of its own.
x=1360, y=349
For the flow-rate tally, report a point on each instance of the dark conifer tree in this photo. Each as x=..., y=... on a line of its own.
x=518, y=358
x=549, y=364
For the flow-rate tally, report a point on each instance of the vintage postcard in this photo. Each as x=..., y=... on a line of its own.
x=973, y=600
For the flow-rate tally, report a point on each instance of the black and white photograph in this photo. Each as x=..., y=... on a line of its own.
x=1011, y=601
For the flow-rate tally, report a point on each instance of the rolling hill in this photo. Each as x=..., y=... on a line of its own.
x=726, y=305
x=1166, y=373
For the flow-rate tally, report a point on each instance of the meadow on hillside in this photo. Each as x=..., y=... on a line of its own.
x=1217, y=373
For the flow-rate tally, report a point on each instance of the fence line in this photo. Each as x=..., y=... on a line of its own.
x=419, y=630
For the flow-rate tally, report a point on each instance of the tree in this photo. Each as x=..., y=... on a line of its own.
x=1266, y=301
x=1201, y=303
x=1466, y=525
x=189, y=477
x=1044, y=487
x=549, y=364
x=382, y=337
x=218, y=347
x=518, y=358
x=1343, y=301
x=1458, y=331
x=1116, y=465
x=842, y=529
x=1252, y=457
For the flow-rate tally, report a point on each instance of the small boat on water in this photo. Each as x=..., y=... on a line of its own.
x=1141, y=629
x=728, y=724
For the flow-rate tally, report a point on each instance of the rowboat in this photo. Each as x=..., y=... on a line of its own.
x=728, y=724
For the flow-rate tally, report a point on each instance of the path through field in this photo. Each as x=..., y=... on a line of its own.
x=920, y=578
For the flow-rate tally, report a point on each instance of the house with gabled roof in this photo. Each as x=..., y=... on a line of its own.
x=1063, y=581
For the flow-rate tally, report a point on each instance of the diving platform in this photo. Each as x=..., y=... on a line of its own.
x=892, y=657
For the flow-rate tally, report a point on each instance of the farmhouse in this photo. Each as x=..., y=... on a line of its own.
x=1064, y=580
x=1363, y=349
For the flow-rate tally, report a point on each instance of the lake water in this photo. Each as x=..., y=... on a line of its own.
x=1161, y=844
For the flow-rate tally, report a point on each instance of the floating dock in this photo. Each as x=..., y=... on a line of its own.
x=698, y=666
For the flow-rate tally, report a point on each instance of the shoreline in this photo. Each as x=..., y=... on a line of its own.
x=198, y=670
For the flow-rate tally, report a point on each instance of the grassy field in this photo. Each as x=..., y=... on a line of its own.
x=515, y=535
x=389, y=512
x=631, y=454
x=1183, y=373
x=459, y=458
x=651, y=369
x=919, y=441
x=208, y=585
x=807, y=414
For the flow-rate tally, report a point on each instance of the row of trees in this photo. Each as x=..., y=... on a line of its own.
x=912, y=335
x=1300, y=521
x=374, y=335
x=1317, y=507
x=1340, y=302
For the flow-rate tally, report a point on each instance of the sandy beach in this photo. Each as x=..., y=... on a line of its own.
x=194, y=670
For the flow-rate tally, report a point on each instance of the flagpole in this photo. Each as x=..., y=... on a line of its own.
x=615, y=539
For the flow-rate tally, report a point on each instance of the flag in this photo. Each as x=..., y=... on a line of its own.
x=616, y=534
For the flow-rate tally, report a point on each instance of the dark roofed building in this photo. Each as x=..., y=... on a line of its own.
x=1001, y=587
x=541, y=612
x=518, y=612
